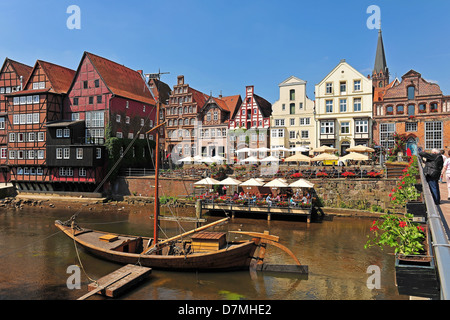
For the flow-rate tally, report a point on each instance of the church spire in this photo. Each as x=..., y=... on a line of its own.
x=380, y=69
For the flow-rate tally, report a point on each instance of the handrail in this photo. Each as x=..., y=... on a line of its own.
x=439, y=235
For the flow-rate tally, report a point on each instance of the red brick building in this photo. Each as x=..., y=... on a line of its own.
x=13, y=75
x=414, y=107
x=29, y=110
x=181, y=113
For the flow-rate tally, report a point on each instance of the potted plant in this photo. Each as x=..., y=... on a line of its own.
x=348, y=174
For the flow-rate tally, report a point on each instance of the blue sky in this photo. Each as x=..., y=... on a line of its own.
x=222, y=46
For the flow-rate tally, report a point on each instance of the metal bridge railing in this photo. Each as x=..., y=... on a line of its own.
x=441, y=244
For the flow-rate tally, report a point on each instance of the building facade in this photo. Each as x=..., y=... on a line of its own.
x=213, y=121
x=29, y=111
x=181, y=120
x=344, y=108
x=293, y=116
x=249, y=126
x=414, y=107
x=13, y=76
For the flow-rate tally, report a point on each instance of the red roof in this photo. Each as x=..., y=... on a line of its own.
x=60, y=77
x=21, y=69
x=122, y=81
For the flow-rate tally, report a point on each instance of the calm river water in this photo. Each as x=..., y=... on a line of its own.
x=34, y=258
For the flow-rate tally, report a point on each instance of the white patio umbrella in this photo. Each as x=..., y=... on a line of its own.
x=270, y=159
x=207, y=182
x=360, y=149
x=324, y=157
x=244, y=150
x=279, y=149
x=301, y=149
x=218, y=158
x=277, y=183
x=252, y=183
x=250, y=159
x=354, y=156
x=230, y=182
x=187, y=159
x=207, y=160
x=302, y=183
x=262, y=149
x=298, y=158
x=325, y=149
x=198, y=158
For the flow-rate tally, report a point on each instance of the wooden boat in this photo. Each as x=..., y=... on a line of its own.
x=207, y=252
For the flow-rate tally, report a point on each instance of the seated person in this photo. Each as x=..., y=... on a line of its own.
x=269, y=200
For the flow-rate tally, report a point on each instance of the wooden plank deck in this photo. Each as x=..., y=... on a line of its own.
x=117, y=282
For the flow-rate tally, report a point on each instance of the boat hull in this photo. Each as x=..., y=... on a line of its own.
x=235, y=257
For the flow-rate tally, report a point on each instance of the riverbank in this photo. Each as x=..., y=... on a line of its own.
x=133, y=203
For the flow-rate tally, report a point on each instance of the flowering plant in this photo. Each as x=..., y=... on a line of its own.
x=297, y=175
x=398, y=232
x=405, y=189
x=348, y=174
x=374, y=174
x=283, y=204
x=321, y=174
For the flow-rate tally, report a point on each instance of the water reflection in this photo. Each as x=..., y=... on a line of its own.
x=34, y=259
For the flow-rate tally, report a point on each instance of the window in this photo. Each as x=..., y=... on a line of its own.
x=292, y=94
x=85, y=84
x=400, y=109
x=329, y=106
x=119, y=135
x=387, y=131
x=99, y=99
x=127, y=120
x=40, y=154
x=59, y=153
x=41, y=136
x=411, y=110
x=69, y=172
x=29, y=118
x=91, y=100
x=79, y=153
x=357, y=104
x=75, y=116
x=345, y=127
x=20, y=137
x=305, y=121
x=130, y=135
x=433, y=107
x=300, y=105
x=422, y=108
x=343, y=87
x=117, y=117
x=16, y=101
x=36, y=118
x=361, y=126
x=16, y=119
x=291, y=134
x=292, y=122
x=343, y=105
x=208, y=116
x=2, y=123
x=216, y=115
x=98, y=153
x=277, y=133
x=279, y=122
x=82, y=172
x=75, y=101
x=97, y=83
x=305, y=134
x=36, y=99
x=411, y=92
x=12, y=154
x=12, y=137
x=23, y=119
x=433, y=135
x=59, y=133
x=3, y=153
x=66, y=153
x=357, y=85
x=329, y=88
x=411, y=126
x=143, y=122
x=292, y=108
x=389, y=110
x=283, y=107
x=29, y=99
x=327, y=127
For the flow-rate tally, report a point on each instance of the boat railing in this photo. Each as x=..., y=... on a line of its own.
x=441, y=244
x=249, y=203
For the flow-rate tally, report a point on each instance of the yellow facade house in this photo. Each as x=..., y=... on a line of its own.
x=344, y=108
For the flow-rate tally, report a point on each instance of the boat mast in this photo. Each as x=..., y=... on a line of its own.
x=156, y=76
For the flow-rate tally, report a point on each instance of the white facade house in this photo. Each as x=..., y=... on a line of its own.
x=292, y=122
x=344, y=108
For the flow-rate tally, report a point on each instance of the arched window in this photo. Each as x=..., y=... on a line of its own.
x=190, y=109
x=170, y=123
x=292, y=94
x=186, y=121
x=411, y=110
x=400, y=109
x=185, y=109
x=433, y=107
x=422, y=108
x=193, y=121
x=411, y=92
x=389, y=110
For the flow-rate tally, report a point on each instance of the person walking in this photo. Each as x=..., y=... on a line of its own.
x=445, y=174
x=432, y=171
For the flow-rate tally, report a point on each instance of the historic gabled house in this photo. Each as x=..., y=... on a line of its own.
x=293, y=117
x=414, y=107
x=249, y=125
x=13, y=75
x=213, y=121
x=344, y=108
x=181, y=120
x=29, y=110
x=105, y=100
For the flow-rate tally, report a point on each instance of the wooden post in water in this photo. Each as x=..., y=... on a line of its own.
x=198, y=212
